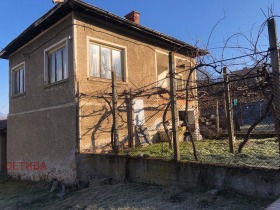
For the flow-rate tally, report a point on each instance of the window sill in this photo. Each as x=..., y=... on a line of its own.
x=56, y=83
x=18, y=95
x=97, y=79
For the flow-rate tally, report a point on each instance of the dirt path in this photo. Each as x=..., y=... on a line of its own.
x=106, y=194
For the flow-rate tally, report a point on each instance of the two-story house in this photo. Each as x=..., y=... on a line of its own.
x=68, y=51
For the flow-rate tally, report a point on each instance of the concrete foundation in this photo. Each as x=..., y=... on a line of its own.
x=248, y=181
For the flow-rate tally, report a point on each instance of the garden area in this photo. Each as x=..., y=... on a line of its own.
x=262, y=153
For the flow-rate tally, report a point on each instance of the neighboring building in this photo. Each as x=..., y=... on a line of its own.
x=247, y=88
x=3, y=146
x=68, y=53
x=3, y=116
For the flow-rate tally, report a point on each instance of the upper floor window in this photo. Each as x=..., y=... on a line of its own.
x=56, y=63
x=104, y=59
x=18, y=79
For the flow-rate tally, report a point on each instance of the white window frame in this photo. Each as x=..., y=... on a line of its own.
x=61, y=44
x=110, y=45
x=159, y=83
x=13, y=70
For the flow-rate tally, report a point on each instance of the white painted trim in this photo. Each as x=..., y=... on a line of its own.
x=44, y=109
x=19, y=65
x=181, y=58
x=162, y=52
x=109, y=44
x=41, y=34
x=75, y=55
x=156, y=70
x=103, y=42
x=57, y=45
x=12, y=79
x=54, y=47
x=87, y=48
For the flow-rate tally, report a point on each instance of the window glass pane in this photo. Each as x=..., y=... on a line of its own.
x=49, y=65
x=16, y=82
x=65, y=69
x=104, y=59
x=94, y=61
x=106, y=63
x=58, y=65
x=21, y=79
x=52, y=68
x=117, y=63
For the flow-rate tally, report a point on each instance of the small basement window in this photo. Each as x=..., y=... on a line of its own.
x=191, y=116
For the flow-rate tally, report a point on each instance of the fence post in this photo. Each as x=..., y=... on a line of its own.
x=114, y=113
x=128, y=101
x=241, y=116
x=217, y=118
x=228, y=111
x=274, y=54
x=225, y=104
x=174, y=112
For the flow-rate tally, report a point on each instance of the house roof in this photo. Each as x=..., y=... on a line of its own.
x=63, y=9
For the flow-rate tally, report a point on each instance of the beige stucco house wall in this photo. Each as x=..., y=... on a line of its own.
x=140, y=69
x=50, y=123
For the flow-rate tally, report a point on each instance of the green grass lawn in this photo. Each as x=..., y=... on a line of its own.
x=258, y=152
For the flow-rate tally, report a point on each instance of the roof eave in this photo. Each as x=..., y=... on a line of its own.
x=43, y=23
x=178, y=44
x=60, y=10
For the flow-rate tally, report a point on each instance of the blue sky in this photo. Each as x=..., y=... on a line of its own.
x=190, y=21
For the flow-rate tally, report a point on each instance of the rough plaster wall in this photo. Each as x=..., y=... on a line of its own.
x=40, y=128
x=96, y=127
x=139, y=60
x=140, y=71
x=37, y=94
x=44, y=136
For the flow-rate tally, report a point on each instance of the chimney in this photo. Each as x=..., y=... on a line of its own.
x=57, y=1
x=134, y=17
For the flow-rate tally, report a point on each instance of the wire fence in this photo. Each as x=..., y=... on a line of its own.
x=230, y=120
x=144, y=122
